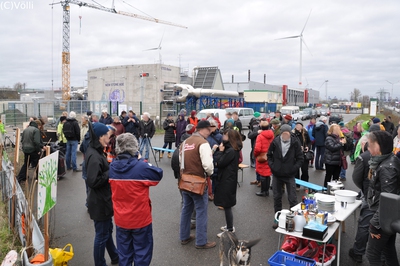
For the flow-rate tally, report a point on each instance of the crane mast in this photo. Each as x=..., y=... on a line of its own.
x=66, y=83
x=66, y=56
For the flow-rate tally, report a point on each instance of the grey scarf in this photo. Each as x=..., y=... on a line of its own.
x=376, y=160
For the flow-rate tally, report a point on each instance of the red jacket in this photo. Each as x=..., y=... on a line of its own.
x=130, y=180
x=264, y=139
x=218, y=121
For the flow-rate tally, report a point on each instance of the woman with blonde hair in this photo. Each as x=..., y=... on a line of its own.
x=84, y=126
x=334, y=146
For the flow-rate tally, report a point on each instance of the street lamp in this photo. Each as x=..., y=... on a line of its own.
x=391, y=96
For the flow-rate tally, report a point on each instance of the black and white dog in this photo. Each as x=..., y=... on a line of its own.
x=238, y=252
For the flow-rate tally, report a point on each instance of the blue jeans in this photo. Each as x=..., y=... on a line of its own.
x=103, y=240
x=342, y=173
x=70, y=156
x=145, y=143
x=135, y=245
x=319, y=157
x=200, y=203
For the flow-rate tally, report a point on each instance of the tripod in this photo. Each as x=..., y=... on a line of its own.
x=151, y=147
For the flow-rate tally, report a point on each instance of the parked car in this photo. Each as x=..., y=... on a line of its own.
x=311, y=112
x=318, y=110
x=324, y=112
x=303, y=115
x=335, y=118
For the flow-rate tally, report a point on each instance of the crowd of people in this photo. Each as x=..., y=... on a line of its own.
x=280, y=147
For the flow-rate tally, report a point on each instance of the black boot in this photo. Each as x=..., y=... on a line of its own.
x=267, y=185
x=263, y=192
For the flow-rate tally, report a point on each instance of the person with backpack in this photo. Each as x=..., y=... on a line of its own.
x=31, y=146
x=72, y=133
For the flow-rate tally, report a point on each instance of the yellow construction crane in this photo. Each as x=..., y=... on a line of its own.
x=66, y=36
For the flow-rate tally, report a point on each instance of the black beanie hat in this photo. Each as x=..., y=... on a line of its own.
x=384, y=140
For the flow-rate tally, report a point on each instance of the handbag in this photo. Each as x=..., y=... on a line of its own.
x=189, y=182
x=309, y=155
x=61, y=256
x=343, y=160
x=262, y=157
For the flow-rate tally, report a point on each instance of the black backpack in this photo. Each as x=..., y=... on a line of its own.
x=68, y=130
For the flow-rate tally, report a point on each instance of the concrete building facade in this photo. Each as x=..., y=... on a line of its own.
x=126, y=86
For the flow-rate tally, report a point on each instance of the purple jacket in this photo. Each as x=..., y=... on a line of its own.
x=180, y=129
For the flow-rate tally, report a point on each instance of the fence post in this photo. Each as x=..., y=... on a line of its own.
x=141, y=105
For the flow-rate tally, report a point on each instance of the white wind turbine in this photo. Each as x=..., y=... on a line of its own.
x=158, y=48
x=301, y=47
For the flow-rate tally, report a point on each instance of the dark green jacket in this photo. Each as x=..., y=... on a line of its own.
x=31, y=138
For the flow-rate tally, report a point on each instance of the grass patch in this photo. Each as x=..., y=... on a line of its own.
x=362, y=117
x=8, y=240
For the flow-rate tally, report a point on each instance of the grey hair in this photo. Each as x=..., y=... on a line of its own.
x=126, y=143
x=146, y=114
x=85, y=117
x=213, y=122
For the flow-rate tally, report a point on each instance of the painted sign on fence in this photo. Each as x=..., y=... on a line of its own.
x=47, y=184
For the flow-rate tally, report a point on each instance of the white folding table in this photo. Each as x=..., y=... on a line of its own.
x=341, y=214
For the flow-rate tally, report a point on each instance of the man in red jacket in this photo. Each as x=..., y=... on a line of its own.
x=130, y=180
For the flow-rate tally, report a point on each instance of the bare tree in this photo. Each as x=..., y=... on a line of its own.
x=355, y=95
x=365, y=100
x=19, y=86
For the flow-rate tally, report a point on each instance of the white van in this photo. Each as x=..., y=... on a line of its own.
x=245, y=114
x=292, y=110
x=220, y=113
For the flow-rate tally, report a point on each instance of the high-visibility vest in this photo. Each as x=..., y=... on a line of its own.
x=193, y=121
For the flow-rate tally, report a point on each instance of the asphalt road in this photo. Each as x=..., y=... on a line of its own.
x=253, y=218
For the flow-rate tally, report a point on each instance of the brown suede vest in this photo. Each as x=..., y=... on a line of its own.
x=192, y=160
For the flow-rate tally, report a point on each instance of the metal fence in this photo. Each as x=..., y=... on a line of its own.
x=15, y=113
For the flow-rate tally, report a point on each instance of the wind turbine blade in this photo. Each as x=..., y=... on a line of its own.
x=151, y=49
x=306, y=46
x=306, y=22
x=161, y=40
x=290, y=37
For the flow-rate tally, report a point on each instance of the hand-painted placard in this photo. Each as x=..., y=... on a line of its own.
x=47, y=184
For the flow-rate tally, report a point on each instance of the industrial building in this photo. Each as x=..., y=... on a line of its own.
x=161, y=89
x=126, y=86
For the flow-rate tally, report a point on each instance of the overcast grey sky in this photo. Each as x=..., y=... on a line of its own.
x=354, y=44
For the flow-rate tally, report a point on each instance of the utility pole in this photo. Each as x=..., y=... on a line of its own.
x=326, y=90
x=391, y=95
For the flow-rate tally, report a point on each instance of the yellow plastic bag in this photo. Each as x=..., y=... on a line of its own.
x=61, y=256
